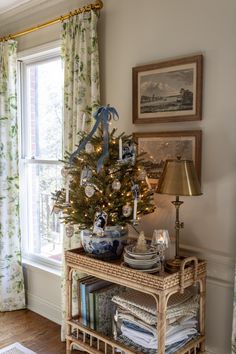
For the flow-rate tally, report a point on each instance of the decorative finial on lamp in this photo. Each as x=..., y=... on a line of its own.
x=178, y=178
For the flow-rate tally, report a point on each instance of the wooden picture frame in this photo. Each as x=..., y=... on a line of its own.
x=168, y=91
x=161, y=146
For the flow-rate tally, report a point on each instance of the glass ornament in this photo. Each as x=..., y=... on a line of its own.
x=89, y=148
x=116, y=185
x=56, y=210
x=89, y=191
x=127, y=210
x=69, y=231
x=64, y=172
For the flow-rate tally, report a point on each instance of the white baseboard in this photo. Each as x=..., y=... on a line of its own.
x=44, y=308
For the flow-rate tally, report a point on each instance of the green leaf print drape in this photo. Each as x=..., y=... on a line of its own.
x=81, y=93
x=12, y=296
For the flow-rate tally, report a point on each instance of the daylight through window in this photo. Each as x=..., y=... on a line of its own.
x=41, y=150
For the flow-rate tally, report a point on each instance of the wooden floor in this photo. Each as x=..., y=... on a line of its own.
x=31, y=330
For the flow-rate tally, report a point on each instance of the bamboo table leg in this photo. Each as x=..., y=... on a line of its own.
x=161, y=322
x=68, y=306
x=202, y=311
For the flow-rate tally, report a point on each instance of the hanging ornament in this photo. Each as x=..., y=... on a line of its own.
x=100, y=221
x=142, y=175
x=120, y=149
x=56, y=209
x=89, y=148
x=127, y=210
x=64, y=172
x=127, y=152
x=135, y=191
x=85, y=175
x=89, y=190
x=69, y=231
x=68, y=180
x=116, y=185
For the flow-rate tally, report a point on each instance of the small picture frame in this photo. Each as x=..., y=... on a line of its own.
x=161, y=146
x=128, y=152
x=168, y=91
x=100, y=222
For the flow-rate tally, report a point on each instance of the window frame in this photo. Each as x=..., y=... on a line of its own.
x=25, y=58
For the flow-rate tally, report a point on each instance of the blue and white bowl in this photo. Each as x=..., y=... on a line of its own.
x=107, y=247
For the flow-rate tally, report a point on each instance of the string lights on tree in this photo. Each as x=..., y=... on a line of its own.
x=104, y=175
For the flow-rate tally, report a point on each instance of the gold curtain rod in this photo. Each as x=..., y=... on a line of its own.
x=98, y=5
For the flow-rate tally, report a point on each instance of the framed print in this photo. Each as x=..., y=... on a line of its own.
x=168, y=145
x=168, y=91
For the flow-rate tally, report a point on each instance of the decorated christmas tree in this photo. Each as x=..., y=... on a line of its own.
x=105, y=180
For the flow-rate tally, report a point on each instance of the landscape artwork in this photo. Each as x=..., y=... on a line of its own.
x=166, y=92
x=160, y=147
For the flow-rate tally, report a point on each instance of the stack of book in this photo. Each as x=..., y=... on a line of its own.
x=97, y=309
x=136, y=320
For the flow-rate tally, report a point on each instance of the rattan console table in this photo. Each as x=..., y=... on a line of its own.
x=161, y=287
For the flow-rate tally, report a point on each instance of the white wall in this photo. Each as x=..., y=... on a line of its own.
x=140, y=32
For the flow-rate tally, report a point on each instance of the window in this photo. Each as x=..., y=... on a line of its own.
x=41, y=128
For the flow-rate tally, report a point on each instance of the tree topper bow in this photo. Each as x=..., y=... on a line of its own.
x=103, y=115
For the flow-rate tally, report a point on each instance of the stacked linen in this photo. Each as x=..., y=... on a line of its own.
x=136, y=320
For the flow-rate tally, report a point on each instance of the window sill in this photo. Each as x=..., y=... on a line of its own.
x=46, y=268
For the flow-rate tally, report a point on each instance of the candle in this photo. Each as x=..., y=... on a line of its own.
x=135, y=209
x=161, y=239
x=83, y=122
x=120, y=149
x=148, y=183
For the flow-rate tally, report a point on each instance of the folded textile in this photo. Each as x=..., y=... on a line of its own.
x=126, y=315
x=148, y=338
x=148, y=303
x=188, y=307
x=121, y=316
x=169, y=349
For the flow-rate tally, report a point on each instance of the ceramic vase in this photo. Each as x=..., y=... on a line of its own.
x=107, y=247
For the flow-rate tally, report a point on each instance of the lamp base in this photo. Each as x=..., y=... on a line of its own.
x=173, y=265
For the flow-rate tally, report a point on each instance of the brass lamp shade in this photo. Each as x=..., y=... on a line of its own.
x=179, y=178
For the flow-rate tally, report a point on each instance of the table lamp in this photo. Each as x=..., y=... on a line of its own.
x=178, y=178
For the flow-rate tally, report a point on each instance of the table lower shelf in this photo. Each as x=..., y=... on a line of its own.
x=96, y=343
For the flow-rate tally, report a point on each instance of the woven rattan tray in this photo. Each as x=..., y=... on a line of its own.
x=77, y=258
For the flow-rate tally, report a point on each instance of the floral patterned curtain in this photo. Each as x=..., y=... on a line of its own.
x=12, y=295
x=234, y=319
x=81, y=92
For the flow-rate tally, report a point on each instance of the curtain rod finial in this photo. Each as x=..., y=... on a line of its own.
x=99, y=3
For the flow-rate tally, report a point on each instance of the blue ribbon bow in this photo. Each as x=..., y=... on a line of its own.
x=103, y=115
